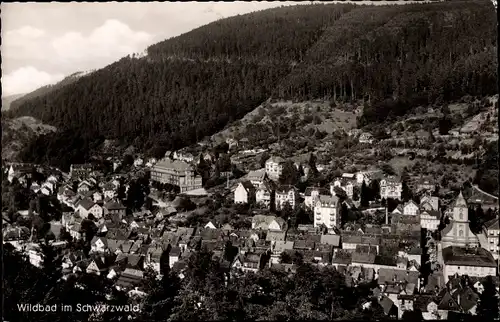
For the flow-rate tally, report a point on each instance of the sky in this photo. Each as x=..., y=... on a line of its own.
x=44, y=42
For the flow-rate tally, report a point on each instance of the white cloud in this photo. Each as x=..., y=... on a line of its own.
x=108, y=42
x=27, y=79
x=26, y=32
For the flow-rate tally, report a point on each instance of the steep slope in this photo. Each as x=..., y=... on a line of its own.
x=18, y=133
x=7, y=101
x=193, y=85
x=46, y=90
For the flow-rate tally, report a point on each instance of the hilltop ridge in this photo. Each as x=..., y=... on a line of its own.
x=392, y=58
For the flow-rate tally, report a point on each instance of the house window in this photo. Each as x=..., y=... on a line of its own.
x=461, y=233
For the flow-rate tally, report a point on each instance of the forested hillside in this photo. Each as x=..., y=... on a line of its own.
x=193, y=85
x=46, y=90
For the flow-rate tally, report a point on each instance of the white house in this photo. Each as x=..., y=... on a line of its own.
x=312, y=193
x=476, y=262
x=97, y=196
x=261, y=222
x=492, y=232
x=244, y=193
x=430, y=219
x=87, y=206
x=286, y=194
x=429, y=203
x=391, y=187
x=410, y=208
x=98, y=245
x=274, y=167
x=367, y=176
x=327, y=211
x=84, y=186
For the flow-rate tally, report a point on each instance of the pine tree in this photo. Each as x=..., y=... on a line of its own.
x=364, y=195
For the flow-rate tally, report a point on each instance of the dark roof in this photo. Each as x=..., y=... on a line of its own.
x=466, y=298
x=247, y=185
x=389, y=275
x=492, y=224
x=333, y=240
x=454, y=255
x=86, y=203
x=130, y=277
x=387, y=304
x=363, y=258
x=448, y=303
x=113, y=205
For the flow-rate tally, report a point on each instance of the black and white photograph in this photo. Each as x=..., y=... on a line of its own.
x=250, y=161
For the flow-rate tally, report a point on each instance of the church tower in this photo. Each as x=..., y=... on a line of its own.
x=457, y=232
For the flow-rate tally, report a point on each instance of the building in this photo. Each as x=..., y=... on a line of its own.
x=312, y=193
x=327, y=211
x=257, y=177
x=286, y=194
x=244, y=193
x=457, y=232
x=426, y=184
x=85, y=207
x=368, y=176
x=476, y=262
x=176, y=173
x=492, y=232
x=483, y=199
x=265, y=194
x=366, y=138
x=80, y=170
x=274, y=167
x=261, y=222
x=391, y=187
x=114, y=207
x=429, y=203
x=346, y=183
x=410, y=208
x=430, y=219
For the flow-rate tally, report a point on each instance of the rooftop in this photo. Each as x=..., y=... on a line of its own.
x=454, y=255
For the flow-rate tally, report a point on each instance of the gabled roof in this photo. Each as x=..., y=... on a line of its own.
x=448, y=303
x=333, y=240
x=248, y=186
x=102, y=239
x=391, y=276
x=276, y=236
x=86, y=203
x=492, y=224
x=257, y=175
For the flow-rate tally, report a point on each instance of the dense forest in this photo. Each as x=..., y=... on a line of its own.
x=193, y=85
